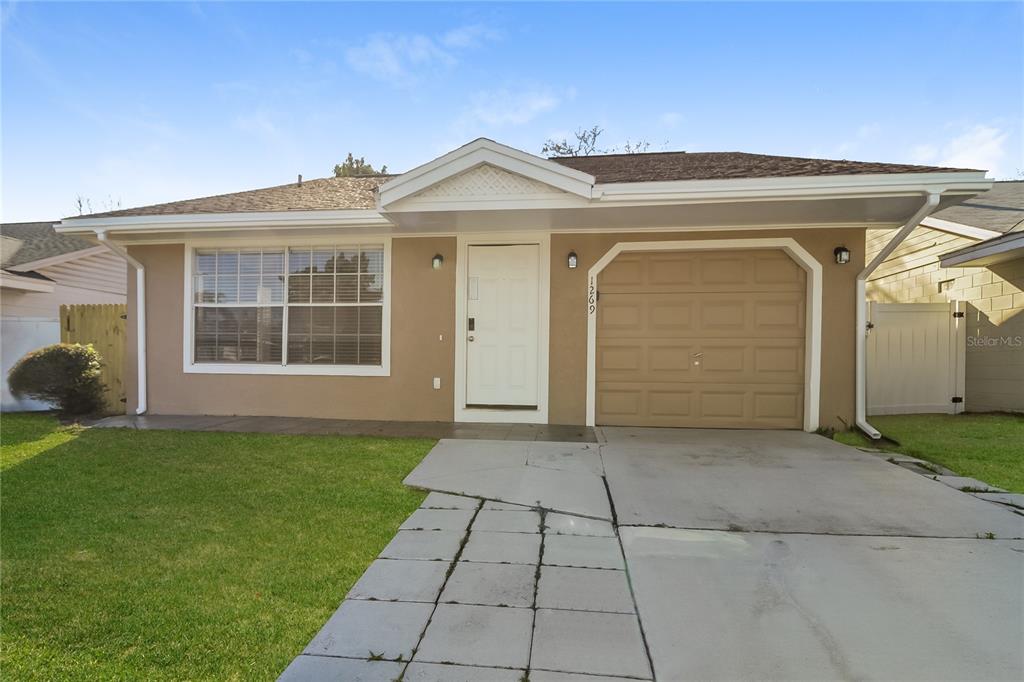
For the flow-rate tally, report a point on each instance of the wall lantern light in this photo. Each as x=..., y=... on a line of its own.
x=842, y=255
x=573, y=260
x=437, y=261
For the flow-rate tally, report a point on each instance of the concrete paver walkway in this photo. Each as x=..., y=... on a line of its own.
x=484, y=590
x=682, y=554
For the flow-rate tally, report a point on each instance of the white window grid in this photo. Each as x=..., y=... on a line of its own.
x=376, y=269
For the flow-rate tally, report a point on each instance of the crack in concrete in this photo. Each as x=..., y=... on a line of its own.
x=822, y=533
x=625, y=563
x=444, y=583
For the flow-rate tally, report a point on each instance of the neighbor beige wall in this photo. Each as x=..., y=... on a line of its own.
x=568, y=355
x=422, y=309
x=995, y=310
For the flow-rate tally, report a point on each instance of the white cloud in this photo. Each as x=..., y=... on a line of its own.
x=670, y=119
x=982, y=147
x=924, y=153
x=401, y=59
x=865, y=133
x=498, y=108
x=472, y=35
x=397, y=58
x=259, y=124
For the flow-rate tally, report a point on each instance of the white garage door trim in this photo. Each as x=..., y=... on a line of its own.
x=809, y=263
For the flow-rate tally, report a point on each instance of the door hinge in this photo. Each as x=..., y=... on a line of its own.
x=958, y=399
x=959, y=313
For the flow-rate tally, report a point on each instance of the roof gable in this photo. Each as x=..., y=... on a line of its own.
x=486, y=170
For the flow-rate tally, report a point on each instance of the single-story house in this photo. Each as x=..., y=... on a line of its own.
x=42, y=270
x=972, y=252
x=660, y=289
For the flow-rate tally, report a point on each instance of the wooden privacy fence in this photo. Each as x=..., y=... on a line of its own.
x=102, y=325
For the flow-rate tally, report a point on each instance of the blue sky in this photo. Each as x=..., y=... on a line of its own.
x=140, y=103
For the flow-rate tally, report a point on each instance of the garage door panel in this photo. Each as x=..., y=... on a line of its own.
x=707, y=405
x=646, y=360
x=712, y=271
x=690, y=315
x=778, y=316
x=622, y=314
x=709, y=339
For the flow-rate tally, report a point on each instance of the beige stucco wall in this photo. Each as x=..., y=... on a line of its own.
x=422, y=309
x=567, y=402
x=995, y=310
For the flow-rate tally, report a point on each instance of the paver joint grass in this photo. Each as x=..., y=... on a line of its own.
x=132, y=554
x=988, y=447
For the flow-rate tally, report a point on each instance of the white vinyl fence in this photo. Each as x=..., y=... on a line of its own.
x=915, y=358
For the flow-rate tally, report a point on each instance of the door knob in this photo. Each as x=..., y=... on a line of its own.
x=471, y=338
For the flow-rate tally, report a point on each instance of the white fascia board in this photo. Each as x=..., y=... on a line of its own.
x=198, y=222
x=477, y=153
x=959, y=228
x=810, y=187
x=1010, y=247
x=57, y=260
x=10, y=280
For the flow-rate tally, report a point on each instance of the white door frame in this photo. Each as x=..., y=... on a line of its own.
x=812, y=349
x=479, y=414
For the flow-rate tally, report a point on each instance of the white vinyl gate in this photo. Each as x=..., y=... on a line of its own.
x=915, y=358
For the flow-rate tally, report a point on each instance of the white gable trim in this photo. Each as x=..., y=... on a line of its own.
x=479, y=152
x=959, y=228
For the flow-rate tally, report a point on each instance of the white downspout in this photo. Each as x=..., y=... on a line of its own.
x=140, y=314
x=930, y=202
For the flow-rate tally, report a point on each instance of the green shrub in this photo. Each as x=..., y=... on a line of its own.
x=66, y=375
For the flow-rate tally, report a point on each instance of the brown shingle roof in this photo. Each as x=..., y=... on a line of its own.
x=360, y=193
x=28, y=242
x=323, y=194
x=661, y=166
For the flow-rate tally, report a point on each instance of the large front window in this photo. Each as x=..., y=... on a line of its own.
x=293, y=306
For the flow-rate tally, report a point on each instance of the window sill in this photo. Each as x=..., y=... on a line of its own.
x=289, y=370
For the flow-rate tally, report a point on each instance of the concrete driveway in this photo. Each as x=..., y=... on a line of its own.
x=687, y=554
x=784, y=555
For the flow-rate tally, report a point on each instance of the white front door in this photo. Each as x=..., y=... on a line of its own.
x=503, y=316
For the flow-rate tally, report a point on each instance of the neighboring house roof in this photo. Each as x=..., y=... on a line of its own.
x=1000, y=209
x=26, y=243
x=995, y=218
x=668, y=166
x=1005, y=247
x=361, y=193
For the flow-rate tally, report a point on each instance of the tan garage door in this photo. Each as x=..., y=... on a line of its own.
x=702, y=339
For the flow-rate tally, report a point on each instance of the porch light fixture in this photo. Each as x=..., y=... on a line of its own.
x=842, y=255
x=573, y=260
x=436, y=261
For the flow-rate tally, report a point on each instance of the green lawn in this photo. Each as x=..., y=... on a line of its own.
x=989, y=447
x=172, y=555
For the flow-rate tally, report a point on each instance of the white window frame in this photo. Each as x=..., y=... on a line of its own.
x=189, y=366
